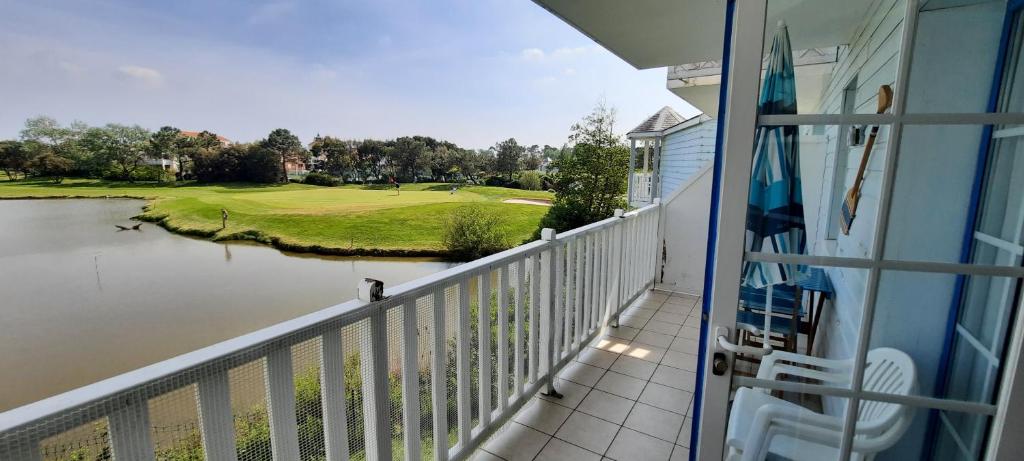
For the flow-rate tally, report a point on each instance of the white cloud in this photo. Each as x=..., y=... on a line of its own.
x=567, y=52
x=144, y=75
x=533, y=54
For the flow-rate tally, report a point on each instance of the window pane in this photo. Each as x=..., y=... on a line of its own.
x=895, y=431
x=936, y=174
x=959, y=360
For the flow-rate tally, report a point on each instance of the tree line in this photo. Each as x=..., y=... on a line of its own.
x=46, y=148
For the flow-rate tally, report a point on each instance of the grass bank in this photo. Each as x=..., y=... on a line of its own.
x=348, y=220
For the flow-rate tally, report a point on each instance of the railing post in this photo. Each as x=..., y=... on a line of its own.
x=630, y=187
x=374, y=370
x=484, y=331
x=280, y=384
x=657, y=234
x=410, y=383
x=618, y=237
x=439, y=378
x=464, y=412
x=215, y=420
x=547, y=317
x=129, y=431
x=332, y=395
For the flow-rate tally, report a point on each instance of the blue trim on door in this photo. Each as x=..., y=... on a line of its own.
x=709, y=259
x=967, y=243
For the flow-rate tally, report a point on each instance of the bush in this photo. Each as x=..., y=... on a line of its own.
x=262, y=165
x=51, y=166
x=473, y=232
x=496, y=181
x=317, y=178
x=531, y=180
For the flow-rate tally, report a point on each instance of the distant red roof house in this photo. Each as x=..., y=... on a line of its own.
x=192, y=134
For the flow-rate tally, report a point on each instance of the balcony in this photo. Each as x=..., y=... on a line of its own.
x=401, y=376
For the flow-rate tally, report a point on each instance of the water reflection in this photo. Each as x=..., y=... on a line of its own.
x=83, y=301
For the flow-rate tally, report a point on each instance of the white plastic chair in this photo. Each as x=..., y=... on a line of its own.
x=760, y=424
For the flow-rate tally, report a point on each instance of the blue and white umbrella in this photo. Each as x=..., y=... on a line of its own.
x=775, y=213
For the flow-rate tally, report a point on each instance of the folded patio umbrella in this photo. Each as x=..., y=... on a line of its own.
x=775, y=214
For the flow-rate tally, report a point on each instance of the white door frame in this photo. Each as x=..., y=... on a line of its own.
x=743, y=86
x=739, y=127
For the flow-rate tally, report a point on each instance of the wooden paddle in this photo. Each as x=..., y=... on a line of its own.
x=849, y=210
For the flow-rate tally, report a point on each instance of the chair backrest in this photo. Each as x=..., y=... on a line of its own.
x=881, y=424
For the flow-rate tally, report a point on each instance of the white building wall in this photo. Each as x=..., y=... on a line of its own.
x=685, y=218
x=684, y=153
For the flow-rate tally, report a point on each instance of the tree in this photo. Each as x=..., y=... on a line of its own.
x=370, y=157
x=509, y=157
x=287, y=147
x=14, y=159
x=167, y=144
x=120, y=146
x=532, y=160
x=52, y=166
x=262, y=164
x=408, y=157
x=339, y=157
x=590, y=182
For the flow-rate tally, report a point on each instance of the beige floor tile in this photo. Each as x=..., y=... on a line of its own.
x=632, y=366
x=684, y=433
x=666, y=398
x=606, y=406
x=590, y=432
x=610, y=344
x=670, y=318
x=690, y=346
x=645, y=314
x=633, y=321
x=680, y=360
x=597, y=357
x=675, y=377
x=623, y=332
x=630, y=445
x=543, y=416
x=581, y=373
x=680, y=454
x=664, y=328
x=654, y=339
x=557, y=450
x=572, y=393
x=483, y=455
x=516, y=442
x=621, y=385
x=645, y=352
x=654, y=422
x=689, y=332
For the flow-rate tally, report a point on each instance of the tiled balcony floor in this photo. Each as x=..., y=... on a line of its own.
x=628, y=396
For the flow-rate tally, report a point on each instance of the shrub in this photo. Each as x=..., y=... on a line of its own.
x=496, y=181
x=530, y=180
x=473, y=231
x=317, y=178
x=262, y=164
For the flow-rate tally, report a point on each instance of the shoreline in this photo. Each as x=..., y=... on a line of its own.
x=256, y=236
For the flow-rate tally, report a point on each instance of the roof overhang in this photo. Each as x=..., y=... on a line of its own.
x=660, y=33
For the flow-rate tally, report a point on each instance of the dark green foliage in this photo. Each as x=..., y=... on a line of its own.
x=321, y=179
x=224, y=165
x=472, y=232
x=509, y=157
x=51, y=166
x=590, y=182
x=261, y=165
x=14, y=158
x=530, y=180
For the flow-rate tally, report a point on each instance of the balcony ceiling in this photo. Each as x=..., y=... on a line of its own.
x=659, y=33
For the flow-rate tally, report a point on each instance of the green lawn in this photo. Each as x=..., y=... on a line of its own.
x=335, y=220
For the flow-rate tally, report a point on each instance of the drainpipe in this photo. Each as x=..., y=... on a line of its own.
x=656, y=170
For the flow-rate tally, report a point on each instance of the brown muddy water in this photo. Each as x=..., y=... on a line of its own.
x=81, y=301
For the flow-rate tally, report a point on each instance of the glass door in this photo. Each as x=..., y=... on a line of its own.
x=891, y=342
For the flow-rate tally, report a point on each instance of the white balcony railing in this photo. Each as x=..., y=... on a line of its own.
x=642, y=190
x=415, y=375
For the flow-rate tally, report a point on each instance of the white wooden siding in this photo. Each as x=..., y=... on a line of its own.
x=684, y=153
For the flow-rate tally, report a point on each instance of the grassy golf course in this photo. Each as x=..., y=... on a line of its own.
x=346, y=220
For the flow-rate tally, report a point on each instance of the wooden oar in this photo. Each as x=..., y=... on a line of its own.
x=849, y=210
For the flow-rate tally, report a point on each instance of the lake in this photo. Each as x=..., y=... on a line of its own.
x=81, y=301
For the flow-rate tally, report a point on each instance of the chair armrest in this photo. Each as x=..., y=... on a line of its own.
x=771, y=361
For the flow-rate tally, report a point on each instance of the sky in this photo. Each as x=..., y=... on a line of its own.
x=473, y=72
